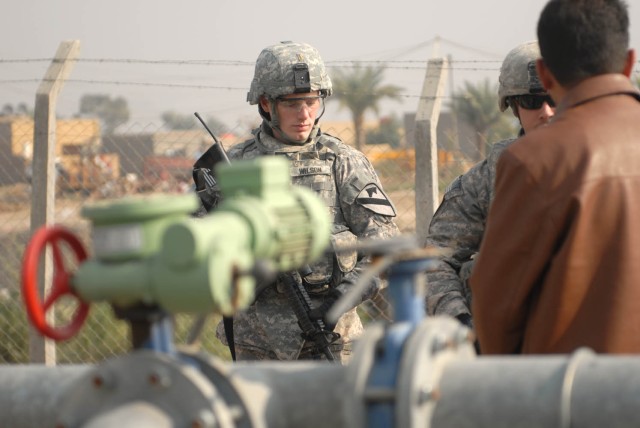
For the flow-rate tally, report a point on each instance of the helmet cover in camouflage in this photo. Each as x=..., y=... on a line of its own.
x=288, y=68
x=518, y=74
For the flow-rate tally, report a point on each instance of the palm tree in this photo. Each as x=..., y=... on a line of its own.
x=477, y=105
x=362, y=90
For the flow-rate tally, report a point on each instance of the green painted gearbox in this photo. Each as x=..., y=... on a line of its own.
x=151, y=251
x=132, y=227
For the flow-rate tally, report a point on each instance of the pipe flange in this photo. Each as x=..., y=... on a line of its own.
x=144, y=389
x=218, y=374
x=354, y=407
x=435, y=342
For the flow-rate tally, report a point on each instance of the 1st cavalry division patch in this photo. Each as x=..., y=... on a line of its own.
x=373, y=198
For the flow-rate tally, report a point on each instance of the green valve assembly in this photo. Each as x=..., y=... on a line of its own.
x=151, y=251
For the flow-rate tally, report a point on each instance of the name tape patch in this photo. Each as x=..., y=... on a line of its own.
x=299, y=171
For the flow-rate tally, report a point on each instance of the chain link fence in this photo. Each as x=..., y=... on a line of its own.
x=91, y=167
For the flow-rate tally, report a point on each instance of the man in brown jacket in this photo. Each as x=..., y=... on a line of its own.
x=559, y=266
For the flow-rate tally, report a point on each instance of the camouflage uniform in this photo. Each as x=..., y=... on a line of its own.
x=459, y=222
x=345, y=179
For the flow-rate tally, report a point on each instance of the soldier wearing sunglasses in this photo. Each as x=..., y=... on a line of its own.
x=459, y=222
x=289, y=87
x=559, y=265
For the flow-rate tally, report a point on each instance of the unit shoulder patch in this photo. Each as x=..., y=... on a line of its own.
x=374, y=199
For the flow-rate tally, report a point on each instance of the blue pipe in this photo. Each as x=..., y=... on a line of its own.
x=407, y=303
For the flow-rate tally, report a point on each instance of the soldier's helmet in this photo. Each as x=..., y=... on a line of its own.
x=518, y=74
x=288, y=68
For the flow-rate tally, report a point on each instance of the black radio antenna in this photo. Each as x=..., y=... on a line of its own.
x=218, y=143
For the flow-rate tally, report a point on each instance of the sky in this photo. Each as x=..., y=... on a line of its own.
x=198, y=55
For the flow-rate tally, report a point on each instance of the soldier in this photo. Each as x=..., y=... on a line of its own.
x=560, y=258
x=290, y=85
x=459, y=222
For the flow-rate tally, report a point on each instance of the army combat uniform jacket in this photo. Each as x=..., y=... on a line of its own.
x=458, y=225
x=359, y=209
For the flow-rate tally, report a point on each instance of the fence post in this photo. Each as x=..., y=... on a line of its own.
x=427, y=196
x=44, y=176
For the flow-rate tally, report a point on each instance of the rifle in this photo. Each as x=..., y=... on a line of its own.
x=204, y=179
x=312, y=330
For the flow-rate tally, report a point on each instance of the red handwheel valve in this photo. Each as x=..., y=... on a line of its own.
x=36, y=309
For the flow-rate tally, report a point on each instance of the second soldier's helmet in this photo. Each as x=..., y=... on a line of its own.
x=518, y=74
x=288, y=68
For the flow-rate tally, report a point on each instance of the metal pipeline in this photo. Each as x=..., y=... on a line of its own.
x=30, y=395
x=579, y=390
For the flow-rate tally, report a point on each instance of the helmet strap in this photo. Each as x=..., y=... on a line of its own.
x=514, y=108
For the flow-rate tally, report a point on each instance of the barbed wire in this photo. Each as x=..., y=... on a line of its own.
x=477, y=65
x=132, y=61
x=496, y=69
x=387, y=64
x=116, y=82
x=234, y=63
x=407, y=65
x=172, y=85
x=231, y=63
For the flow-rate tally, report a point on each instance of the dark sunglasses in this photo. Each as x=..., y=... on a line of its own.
x=532, y=102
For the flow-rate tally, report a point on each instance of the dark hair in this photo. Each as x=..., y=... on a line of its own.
x=583, y=38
